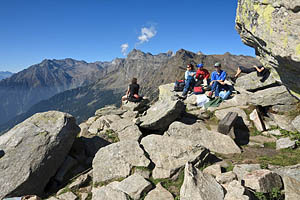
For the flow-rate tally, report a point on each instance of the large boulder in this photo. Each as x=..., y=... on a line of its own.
x=109, y=110
x=283, y=122
x=262, y=180
x=251, y=82
x=39, y=144
x=211, y=140
x=136, y=106
x=220, y=114
x=166, y=92
x=162, y=114
x=116, y=161
x=272, y=28
x=103, y=123
x=242, y=169
x=170, y=154
x=277, y=97
x=200, y=186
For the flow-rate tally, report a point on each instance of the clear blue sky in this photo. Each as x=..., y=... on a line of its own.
x=94, y=30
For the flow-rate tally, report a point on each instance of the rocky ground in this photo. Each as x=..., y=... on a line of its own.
x=171, y=149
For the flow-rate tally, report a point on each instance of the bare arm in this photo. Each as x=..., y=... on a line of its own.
x=127, y=92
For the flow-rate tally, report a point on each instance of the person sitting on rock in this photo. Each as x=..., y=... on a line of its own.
x=132, y=93
x=202, y=74
x=261, y=71
x=189, y=79
x=217, y=81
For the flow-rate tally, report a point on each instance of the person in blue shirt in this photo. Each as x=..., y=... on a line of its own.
x=189, y=79
x=217, y=81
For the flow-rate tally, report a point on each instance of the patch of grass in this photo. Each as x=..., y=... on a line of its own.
x=275, y=194
x=230, y=167
x=172, y=186
x=284, y=157
x=110, y=135
x=270, y=145
x=103, y=183
x=254, y=131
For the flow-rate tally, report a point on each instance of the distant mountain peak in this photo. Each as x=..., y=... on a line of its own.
x=136, y=54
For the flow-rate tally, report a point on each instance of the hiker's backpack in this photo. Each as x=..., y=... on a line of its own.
x=179, y=86
x=198, y=89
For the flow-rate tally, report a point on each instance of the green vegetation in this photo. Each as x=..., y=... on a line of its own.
x=284, y=157
x=270, y=145
x=230, y=167
x=254, y=131
x=172, y=186
x=110, y=135
x=275, y=194
x=100, y=184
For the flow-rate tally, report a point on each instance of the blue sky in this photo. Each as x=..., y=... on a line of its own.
x=94, y=30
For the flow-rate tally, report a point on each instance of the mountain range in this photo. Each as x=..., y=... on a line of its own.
x=80, y=88
x=5, y=74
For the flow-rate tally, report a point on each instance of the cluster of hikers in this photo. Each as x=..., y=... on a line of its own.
x=200, y=81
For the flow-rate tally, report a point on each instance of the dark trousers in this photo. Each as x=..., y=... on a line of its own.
x=189, y=83
x=217, y=87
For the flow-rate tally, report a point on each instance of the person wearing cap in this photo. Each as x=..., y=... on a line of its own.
x=189, y=79
x=217, y=80
x=202, y=74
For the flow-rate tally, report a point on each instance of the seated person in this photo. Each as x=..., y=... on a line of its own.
x=202, y=74
x=261, y=71
x=189, y=79
x=132, y=93
x=217, y=81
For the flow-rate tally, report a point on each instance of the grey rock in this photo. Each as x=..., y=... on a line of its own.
x=167, y=93
x=242, y=169
x=143, y=172
x=290, y=171
x=84, y=127
x=92, y=144
x=170, y=154
x=159, y=193
x=103, y=123
x=296, y=123
x=162, y=114
x=262, y=180
x=135, y=185
x=52, y=198
x=132, y=106
x=67, y=165
x=130, y=114
x=284, y=143
x=283, y=122
x=226, y=177
x=37, y=145
x=214, y=170
x=197, y=185
x=235, y=191
x=67, y=196
x=258, y=123
x=108, y=193
x=109, y=110
x=291, y=188
x=116, y=160
x=84, y=196
x=278, y=97
x=275, y=132
x=211, y=140
x=252, y=82
x=81, y=181
x=130, y=133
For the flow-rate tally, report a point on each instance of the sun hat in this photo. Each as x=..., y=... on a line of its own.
x=199, y=65
x=218, y=64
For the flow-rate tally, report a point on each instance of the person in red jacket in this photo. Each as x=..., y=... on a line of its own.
x=202, y=74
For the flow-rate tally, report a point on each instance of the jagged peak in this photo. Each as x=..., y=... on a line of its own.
x=136, y=54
